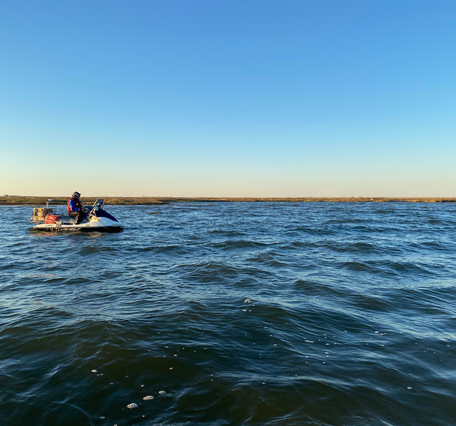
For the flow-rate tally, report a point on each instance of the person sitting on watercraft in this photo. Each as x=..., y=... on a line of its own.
x=75, y=208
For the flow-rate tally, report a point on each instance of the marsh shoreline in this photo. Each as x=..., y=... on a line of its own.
x=26, y=200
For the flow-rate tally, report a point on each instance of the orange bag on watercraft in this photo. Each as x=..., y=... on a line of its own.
x=51, y=218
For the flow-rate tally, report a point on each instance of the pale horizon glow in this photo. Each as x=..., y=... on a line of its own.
x=234, y=98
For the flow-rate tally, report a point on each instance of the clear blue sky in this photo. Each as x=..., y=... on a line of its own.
x=228, y=97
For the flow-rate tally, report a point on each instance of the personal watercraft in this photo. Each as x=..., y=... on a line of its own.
x=95, y=219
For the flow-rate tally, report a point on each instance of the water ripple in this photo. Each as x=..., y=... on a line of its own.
x=232, y=313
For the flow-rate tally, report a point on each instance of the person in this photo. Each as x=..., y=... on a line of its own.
x=75, y=208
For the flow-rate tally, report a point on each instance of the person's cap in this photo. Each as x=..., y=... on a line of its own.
x=76, y=194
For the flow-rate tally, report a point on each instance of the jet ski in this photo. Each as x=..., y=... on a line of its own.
x=95, y=219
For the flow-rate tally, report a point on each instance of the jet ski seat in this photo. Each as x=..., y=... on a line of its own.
x=68, y=219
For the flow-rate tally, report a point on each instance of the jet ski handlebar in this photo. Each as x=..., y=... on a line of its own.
x=97, y=205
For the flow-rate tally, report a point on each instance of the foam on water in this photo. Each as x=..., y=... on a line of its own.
x=246, y=313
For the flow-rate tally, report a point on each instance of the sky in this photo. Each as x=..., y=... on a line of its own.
x=220, y=98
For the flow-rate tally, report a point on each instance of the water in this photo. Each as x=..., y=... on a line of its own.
x=242, y=313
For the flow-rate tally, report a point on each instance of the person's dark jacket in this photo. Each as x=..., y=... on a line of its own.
x=74, y=205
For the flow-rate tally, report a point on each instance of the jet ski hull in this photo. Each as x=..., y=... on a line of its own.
x=101, y=225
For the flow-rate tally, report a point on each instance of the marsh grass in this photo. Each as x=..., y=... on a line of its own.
x=37, y=201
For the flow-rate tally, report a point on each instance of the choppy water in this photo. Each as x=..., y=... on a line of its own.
x=243, y=313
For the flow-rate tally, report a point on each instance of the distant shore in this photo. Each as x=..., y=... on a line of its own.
x=122, y=201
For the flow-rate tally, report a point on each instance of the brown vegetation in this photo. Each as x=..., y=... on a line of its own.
x=24, y=200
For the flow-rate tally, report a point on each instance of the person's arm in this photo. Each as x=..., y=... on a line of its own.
x=72, y=205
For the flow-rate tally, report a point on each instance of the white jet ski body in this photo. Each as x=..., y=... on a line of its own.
x=96, y=219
